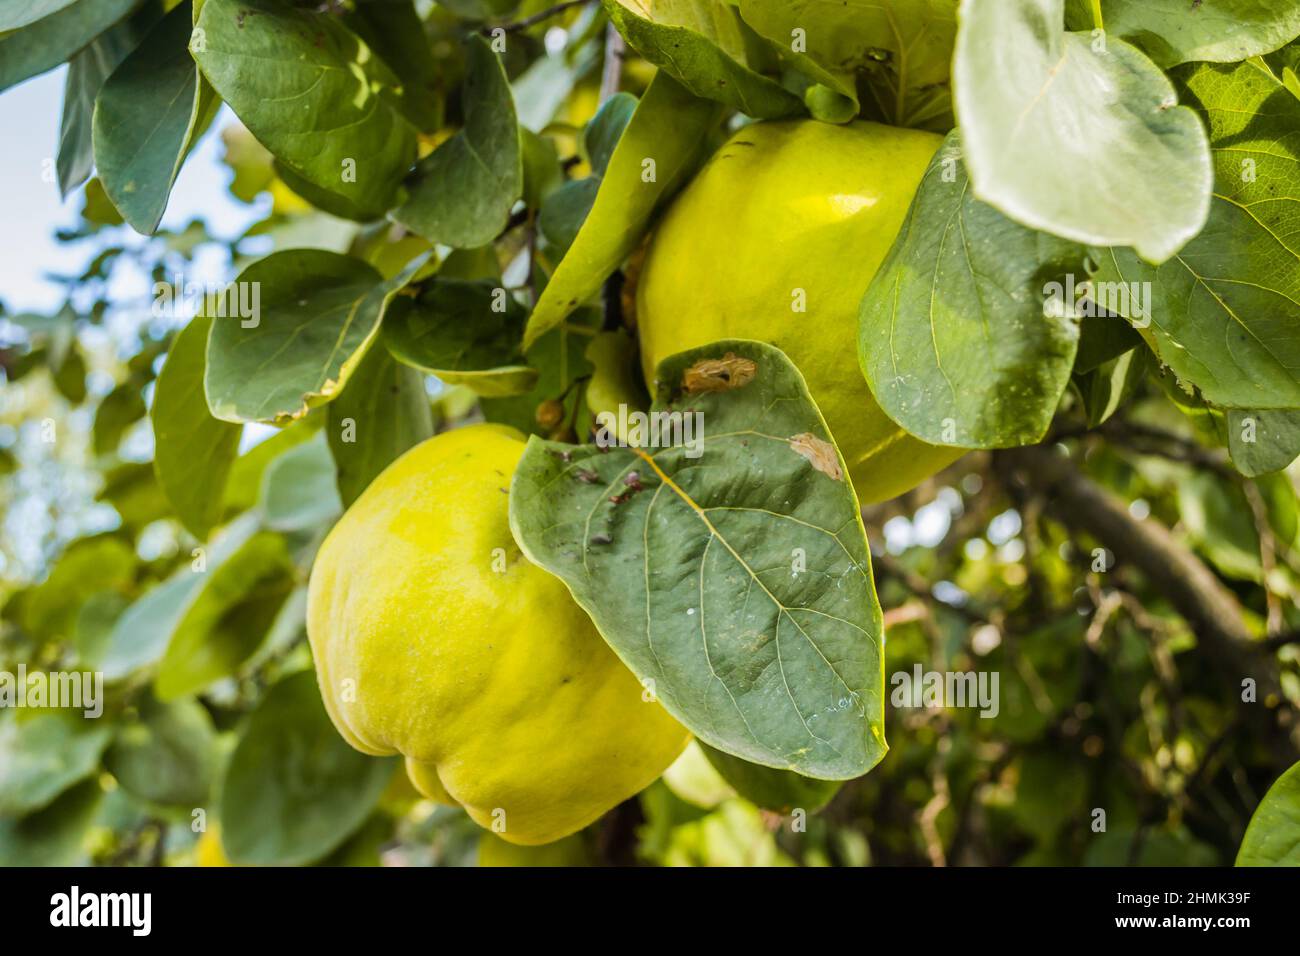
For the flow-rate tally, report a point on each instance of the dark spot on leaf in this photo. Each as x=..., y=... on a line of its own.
x=601, y=539
x=586, y=477
x=633, y=480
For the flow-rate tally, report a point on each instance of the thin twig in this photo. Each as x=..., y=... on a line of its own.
x=535, y=19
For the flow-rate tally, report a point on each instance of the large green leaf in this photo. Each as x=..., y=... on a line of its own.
x=45, y=43
x=1083, y=141
x=319, y=312
x=700, y=43
x=43, y=755
x=661, y=145
x=226, y=620
x=464, y=332
x=956, y=334
x=1273, y=836
x=87, y=72
x=1176, y=31
x=147, y=117
x=313, y=93
x=462, y=192
x=165, y=753
x=294, y=789
x=902, y=47
x=193, y=452
x=735, y=576
x=384, y=411
x=1224, y=312
x=1263, y=442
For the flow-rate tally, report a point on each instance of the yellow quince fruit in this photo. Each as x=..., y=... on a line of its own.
x=777, y=239
x=435, y=638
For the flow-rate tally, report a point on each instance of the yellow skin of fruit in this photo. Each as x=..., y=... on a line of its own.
x=785, y=206
x=208, y=851
x=496, y=687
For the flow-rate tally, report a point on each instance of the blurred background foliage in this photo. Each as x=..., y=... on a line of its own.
x=1110, y=698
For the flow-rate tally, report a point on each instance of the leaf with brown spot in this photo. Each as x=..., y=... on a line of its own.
x=725, y=571
x=719, y=375
x=821, y=454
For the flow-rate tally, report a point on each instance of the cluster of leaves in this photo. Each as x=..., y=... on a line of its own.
x=456, y=194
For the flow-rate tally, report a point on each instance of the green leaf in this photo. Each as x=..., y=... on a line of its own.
x=466, y=333
x=45, y=43
x=132, y=489
x=53, y=836
x=19, y=13
x=316, y=313
x=1223, y=313
x=1273, y=836
x=1176, y=31
x=462, y=192
x=246, y=475
x=193, y=452
x=393, y=29
x=735, y=577
x=294, y=789
x=769, y=788
x=1035, y=103
x=312, y=93
x=85, y=568
x=226, y=620
x=1262, y=442
x=616, y=374
x=43, y=755
x=956, y=335
x=1108, y=386
x=565, y=210
x=1103, y=337
x=87, y=72
x=118, y=410
x=165, y=753
x=661, y=145
x=1218, y=520
x=902, y=47
x=300, y=488
x=700, y=43
x=384, y=411
x=148, y=116
x=140, y=636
